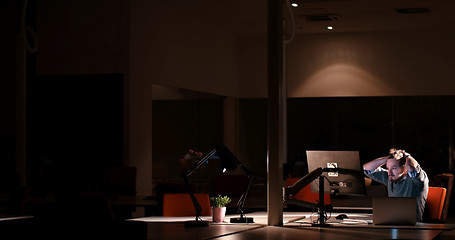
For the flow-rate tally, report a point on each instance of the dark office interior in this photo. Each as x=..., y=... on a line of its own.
x=99, y=86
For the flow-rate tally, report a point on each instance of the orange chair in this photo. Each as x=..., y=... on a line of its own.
x=180, y=204
x=306, y=195
x=435, y=204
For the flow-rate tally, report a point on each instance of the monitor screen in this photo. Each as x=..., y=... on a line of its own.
x=348, y=179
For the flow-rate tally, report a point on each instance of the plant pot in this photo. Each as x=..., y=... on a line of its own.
x=218, y=214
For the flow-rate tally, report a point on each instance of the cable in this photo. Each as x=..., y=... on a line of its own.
x=316, y=211
x=24, y=29
x=291, y=14
x=348, y=221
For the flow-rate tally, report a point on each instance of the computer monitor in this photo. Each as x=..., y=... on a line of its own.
x=347, y=177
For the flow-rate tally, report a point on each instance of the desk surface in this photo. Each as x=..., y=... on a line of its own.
x=296, y=226
x=304, y=219
x=253, y=231
x=13, y=218
x=364, y=220
x=273, y=232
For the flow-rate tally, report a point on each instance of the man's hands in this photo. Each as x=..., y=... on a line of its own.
x=398, y=153
x=411, y=164
x=375, y=163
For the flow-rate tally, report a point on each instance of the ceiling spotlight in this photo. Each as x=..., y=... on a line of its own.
x=329, y=27
x=294, y=5
x=415, y=10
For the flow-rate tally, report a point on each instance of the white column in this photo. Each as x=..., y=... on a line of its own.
x=276, y=105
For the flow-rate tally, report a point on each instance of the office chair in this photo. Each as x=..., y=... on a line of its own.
x=163, y=188
x=180, y=204
x=435, y=204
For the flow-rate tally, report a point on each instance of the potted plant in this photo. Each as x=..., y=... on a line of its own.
x=218, y=204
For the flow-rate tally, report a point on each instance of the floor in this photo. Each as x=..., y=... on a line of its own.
x=448, y=235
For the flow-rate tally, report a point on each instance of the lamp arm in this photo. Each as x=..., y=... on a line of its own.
x=242, y=199
x=197, y=206
x=186, y=174
x=289, y=191
x=304, y=181
x=301, y=203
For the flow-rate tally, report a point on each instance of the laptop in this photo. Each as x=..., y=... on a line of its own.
x=394, y=211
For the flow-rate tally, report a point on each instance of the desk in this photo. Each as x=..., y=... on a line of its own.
x=293, y=228
x=363, y=220
x=14, y=218
x=273, y=232
x=160, y=231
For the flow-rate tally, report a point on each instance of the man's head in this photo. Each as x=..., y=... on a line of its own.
x=396, y=165
x=398, y=154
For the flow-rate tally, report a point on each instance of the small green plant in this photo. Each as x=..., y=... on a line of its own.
x=219, y=201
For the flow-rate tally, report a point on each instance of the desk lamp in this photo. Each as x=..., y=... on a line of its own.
x=228, y=162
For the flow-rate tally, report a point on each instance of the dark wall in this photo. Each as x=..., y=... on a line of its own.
x=253, y=136
x=180, y=125
x=421, y=125
x=9, y=23
x=74, y=128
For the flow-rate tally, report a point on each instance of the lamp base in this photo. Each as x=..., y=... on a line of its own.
x=193, y=224
x=242, y=220
x=320, y=225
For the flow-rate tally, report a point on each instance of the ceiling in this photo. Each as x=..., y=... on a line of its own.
x=371, y=15
x=246, y=17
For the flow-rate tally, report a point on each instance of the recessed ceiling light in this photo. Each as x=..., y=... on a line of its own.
x=329, y=27
x=415, y=10
x=294, y=5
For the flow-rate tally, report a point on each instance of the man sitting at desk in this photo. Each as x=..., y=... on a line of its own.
x=404, y=177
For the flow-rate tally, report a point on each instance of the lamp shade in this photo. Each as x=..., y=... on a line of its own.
x=227, y=158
